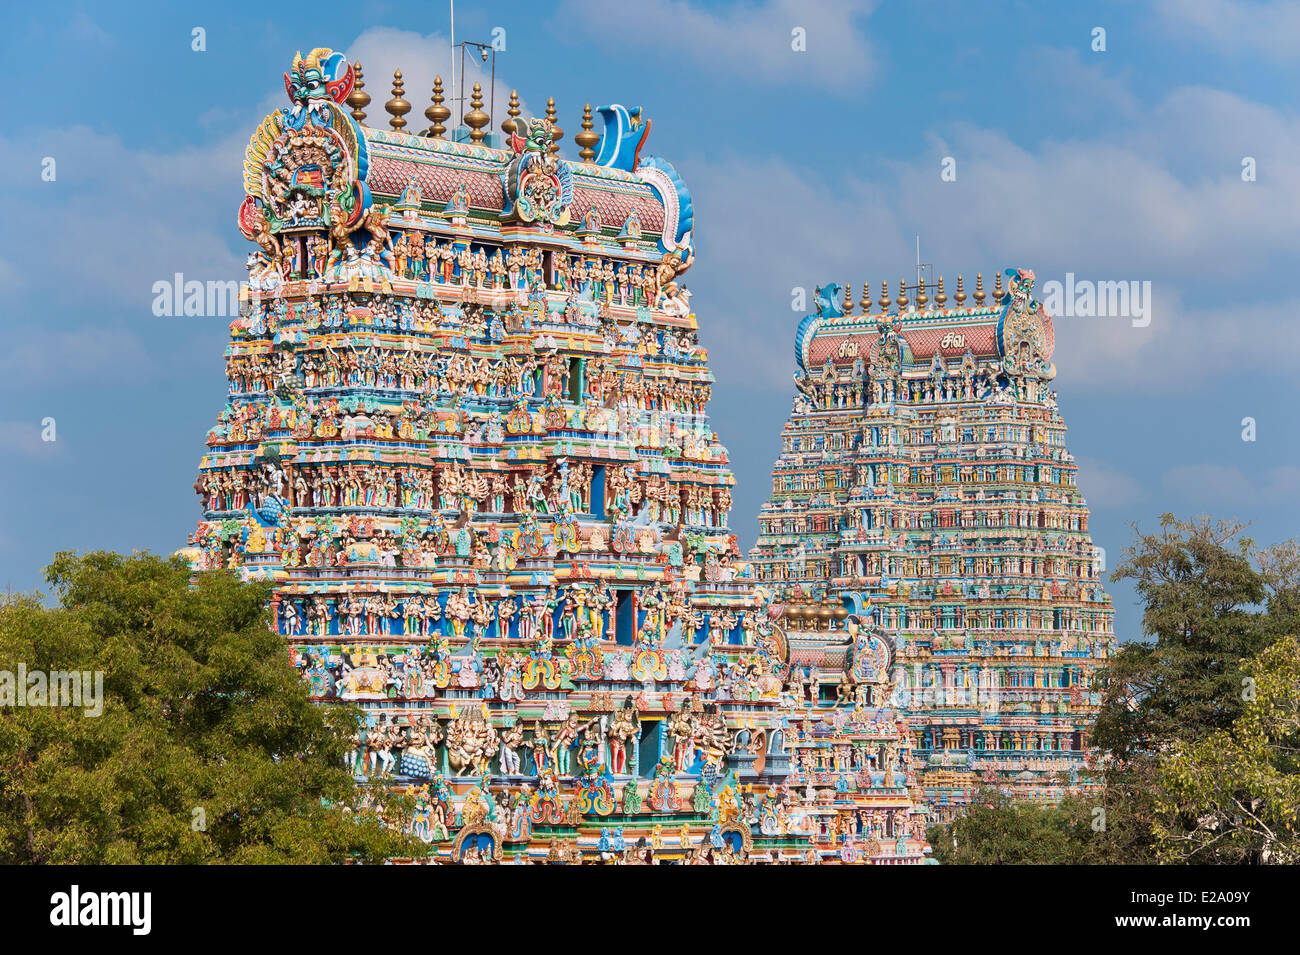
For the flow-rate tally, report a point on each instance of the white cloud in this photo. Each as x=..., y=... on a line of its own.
x=1270, y=28
x=749, y=264
x=1145, y=196
x=751, y=40
x=24, y=438
x=38, y=354
x=1106, y=487
x=118, y=219
x=1155, y=198
x=1220, y=486
x=1088, y=86
x=88, y=32
x=10, y=277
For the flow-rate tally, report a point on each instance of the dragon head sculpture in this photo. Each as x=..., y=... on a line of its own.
x=321, y=75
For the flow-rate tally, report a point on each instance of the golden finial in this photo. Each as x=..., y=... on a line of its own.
x=848, y=300
x=921, y=297
x=556, y=133
x=509, y=126
x=979, y=289
x=435, y=112
x=865, y=301
x=476, y=119
x=884, y=296
x=587, y=139
x=997, y=289
x=901, y=301
x=397, y=107
x=940, y=298
x=960, y=296
x=358, y=99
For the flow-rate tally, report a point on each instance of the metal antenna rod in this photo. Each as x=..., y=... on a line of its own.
x=453, y=62
x=923, y=269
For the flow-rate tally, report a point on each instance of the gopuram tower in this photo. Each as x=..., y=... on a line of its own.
x=925, y=503
x=466, y=439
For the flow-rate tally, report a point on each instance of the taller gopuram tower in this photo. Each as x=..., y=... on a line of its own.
x=924, y=500
x=466, y=440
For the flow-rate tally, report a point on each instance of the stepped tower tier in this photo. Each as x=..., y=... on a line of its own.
x=924, y=491
x=466, y=439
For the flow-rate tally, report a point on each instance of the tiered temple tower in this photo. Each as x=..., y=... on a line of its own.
x=924, y=495
x=466, y=438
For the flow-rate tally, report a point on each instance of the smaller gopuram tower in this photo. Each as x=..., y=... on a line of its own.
x=925, y=499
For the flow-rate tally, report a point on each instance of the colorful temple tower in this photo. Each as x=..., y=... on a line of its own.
x=924, y=497
x=466, y=439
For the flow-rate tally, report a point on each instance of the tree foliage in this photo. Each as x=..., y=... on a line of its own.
x=996, y=830
x=208, y=748
x=1233, y=796
x=1202, y=594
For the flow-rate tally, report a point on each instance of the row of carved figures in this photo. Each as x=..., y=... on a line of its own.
x=489, y=550
x=426, y=673
x=538, y=491
x=410, y=255
x=507, y=378
x=368, y=312
x=569, y=747
x=828, y=392
x=549, y=615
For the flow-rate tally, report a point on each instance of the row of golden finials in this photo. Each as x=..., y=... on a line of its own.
x=476, y=119
x=922, y=299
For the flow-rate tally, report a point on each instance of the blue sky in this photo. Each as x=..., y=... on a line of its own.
x=806, y=167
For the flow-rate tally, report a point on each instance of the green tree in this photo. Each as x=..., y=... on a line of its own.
x=1202, y=592
x=997, y=830
x=1212, y=602
x=208, y=748
x=1233, y=796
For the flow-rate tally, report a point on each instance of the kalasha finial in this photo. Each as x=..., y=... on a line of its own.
x=848, y=300
x=921, y=298
x=940, y=298
x=901, y=301
x=476, y=119
x=979, y=289
x=435, y=112
x=510, y=126
x=587, y=139
x=397, y=107
x=556, y=132
x=997, y=288
x=960, y=296
x=358, y=99
x=884, y=296
x=865, y=301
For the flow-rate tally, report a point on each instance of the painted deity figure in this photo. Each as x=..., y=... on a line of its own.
x=543, y=753
x=624, y=729
x=681, y=732
x=565, y=738
x=512, y=680
x=459, y=611
x=512, y=739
